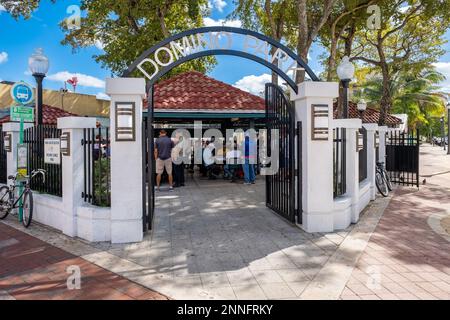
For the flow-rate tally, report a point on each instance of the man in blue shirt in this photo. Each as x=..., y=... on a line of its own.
x=250, y=160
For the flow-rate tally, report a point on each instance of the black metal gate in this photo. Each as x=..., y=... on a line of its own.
x=402, y=157
x=281, y=187
x=148, y=166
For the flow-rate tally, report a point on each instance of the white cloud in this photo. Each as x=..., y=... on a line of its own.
x=444, y=68
x=83, y=79
x=103, y=96
x=3, y=57
x=100, y=45
x=253, y=84
x=217, y=4
x=209, y=22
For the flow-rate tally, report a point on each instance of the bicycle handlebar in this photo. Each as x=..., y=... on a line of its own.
x=33, y=174
x=38, y=171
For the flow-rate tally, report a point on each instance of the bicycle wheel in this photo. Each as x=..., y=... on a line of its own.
x=388, y=180
x=381, y=184
x=4, y=202
x=27, y=205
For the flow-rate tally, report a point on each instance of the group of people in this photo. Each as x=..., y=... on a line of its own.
x=168, y=156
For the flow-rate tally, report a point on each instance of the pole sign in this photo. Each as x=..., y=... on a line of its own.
x=22, y=113
x=22, y=159
x=52, y=151
x=22, y=93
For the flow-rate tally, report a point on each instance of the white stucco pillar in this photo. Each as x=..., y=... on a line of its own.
x=73, y=170
x=382, y=148
x=351, y=126
x=371, y=128
x=13, y=128
x=317, y=157
x=126, y=163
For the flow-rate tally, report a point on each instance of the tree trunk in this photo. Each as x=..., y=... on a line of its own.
x=302, y=39
x=386, y=99
x=332, y=58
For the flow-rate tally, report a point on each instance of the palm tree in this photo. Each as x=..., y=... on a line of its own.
x=417, y=96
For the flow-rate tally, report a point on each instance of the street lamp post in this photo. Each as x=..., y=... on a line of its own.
x=448, y=129
x=443, y=131
x=38, y=64
x=346, y=72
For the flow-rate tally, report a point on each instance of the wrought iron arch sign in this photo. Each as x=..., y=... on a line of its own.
x=208, y=41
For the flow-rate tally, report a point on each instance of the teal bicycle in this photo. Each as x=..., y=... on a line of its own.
x=9, y=201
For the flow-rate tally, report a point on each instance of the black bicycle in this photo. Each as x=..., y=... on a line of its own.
x=382, y=180
x=9, y=201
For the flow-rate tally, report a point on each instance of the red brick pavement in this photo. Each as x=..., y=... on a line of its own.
x=33, y=269
x=405, y=258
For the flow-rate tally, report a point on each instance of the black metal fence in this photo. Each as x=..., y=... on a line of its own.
x=402, y=157
x=339, y=162
x=97, y=173
x=363, y=156
x=2, y=157
x=34, y=138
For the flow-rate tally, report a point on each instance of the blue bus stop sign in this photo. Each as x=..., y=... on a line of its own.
x=22, y=93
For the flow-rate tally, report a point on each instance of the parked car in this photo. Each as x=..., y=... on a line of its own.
x=439, y=141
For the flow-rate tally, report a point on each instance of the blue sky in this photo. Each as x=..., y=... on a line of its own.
x=20, y=38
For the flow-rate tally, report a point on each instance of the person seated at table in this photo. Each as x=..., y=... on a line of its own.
x=233, y=157
x=209, y=159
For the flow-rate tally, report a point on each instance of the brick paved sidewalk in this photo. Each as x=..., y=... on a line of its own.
x=405, y=258
x=33, y=269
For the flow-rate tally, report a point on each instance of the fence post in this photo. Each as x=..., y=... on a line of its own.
x=72, y=166
x=314, y=108
x=382, y=147
x=126, y=158
x=371, y=128
x=13, y=128
x=351, y=126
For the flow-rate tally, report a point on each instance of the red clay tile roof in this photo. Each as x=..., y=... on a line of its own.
x=49, y=115
x=193, y=90
x=370, y=115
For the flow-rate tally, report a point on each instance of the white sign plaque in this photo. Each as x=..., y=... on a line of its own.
x=52, y=151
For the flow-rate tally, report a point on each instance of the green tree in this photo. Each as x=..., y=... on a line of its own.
x=21, y=8
x=127, y=28
x=410, y=38
x=272, y=18
x=416, y=95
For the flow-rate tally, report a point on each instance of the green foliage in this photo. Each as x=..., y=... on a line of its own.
x=127, y=28
x=416, y=95
x=21, y=8
x=102, y=182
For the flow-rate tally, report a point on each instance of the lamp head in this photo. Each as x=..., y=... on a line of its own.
x=362, y=105
x=38, y=62
x=346, y=69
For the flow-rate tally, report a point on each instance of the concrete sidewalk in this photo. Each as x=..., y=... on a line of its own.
x=407, y=257
x=214, y=242
x=32, y=269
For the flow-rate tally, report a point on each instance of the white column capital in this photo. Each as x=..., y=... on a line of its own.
x=126, y=86
x=77, y=123
x=370, y=126
x=347, y=123
x=316, y=89
x=383, y=128
x=15, y=126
